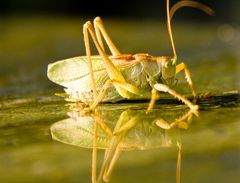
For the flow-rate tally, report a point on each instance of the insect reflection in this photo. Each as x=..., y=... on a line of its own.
x=115, y=131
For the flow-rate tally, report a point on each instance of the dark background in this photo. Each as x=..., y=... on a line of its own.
x=226, y=10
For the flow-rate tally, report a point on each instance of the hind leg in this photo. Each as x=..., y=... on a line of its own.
x=100, y=30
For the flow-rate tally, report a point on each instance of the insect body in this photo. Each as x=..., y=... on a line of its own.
x=141, y=70
x=110, y=78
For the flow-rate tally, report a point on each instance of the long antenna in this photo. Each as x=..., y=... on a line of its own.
x=193, y=4
x=170, y=31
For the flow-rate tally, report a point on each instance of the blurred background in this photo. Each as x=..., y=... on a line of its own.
x=226, y=10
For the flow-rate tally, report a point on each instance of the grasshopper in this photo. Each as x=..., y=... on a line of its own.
x=110, y=78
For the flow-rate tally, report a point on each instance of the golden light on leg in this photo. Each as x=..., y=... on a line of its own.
x=152, y=101
x=181, y=67
x=88, y=52
x=165, y=88
x=100, y=29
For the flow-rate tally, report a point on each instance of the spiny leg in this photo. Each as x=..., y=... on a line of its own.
x=181, y=67
x=100, y=29
x=165, y=88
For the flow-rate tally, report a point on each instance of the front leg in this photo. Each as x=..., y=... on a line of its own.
x=165, y=88
x=181, y=67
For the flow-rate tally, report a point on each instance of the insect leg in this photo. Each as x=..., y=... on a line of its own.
x=88, y=52
x=123, y=125
x=100, y=29
x=108, y=171
x=104, y=126
x=181, y=67
x=127, y=126
x=179, y=158
x=107, y=130
x=111, y=69
x=181, y=122
x=94, y=154
x=165, y=88
x=128, y=87
x=154, y=97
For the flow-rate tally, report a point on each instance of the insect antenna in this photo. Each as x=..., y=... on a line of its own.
x=177, y=6
x=170, y=32
x=192, y=4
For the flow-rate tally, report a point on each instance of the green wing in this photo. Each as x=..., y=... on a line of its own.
x=74, y=72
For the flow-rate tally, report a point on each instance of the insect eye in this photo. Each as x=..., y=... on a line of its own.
x=167, y=64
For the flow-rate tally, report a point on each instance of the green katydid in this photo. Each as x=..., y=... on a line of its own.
x=110, y=78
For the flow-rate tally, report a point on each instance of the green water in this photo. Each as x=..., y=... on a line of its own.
x=210, y=145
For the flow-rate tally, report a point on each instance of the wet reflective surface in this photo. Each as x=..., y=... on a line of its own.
x=34, y=122
x=133, y=130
